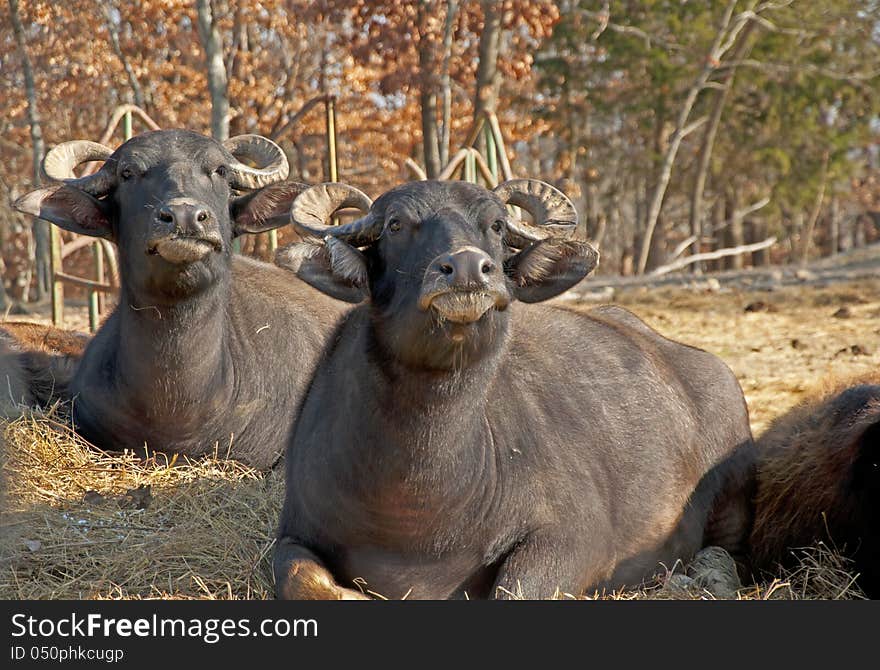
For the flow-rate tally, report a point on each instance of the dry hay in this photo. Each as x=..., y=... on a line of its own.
x=80, y=523
x=822, y=573
x=207, y=526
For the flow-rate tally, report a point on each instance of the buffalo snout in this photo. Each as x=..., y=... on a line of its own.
x=185, y=232
x=466, y=268
x=185, y=217
x=463, y=285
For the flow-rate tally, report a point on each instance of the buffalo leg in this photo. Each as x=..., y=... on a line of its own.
x=300, y=575
x=541, y=567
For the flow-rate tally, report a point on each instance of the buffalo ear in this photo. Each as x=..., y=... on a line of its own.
x=264, y=209
x=333, y=267
x=546, y=268
x=69, y=208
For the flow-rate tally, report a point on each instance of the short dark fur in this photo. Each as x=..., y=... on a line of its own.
x=531, y=449
x=819, y=480
x=197, y=356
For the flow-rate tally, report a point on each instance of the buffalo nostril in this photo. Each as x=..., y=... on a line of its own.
x=446, y=268
x=165, y=216
x=487, y=267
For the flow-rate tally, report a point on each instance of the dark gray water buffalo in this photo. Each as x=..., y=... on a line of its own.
x=454, y=441
x=819, y=480
x=205, y=350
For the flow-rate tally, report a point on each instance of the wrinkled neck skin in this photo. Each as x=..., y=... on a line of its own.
x=423, y=379
x=421, y=341
x=172, y=349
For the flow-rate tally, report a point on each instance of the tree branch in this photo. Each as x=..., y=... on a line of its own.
x=713, y=255
x=603, y=17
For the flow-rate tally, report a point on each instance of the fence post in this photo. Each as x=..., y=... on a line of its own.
x=94, y=295
x=491, y=152
x=470, y=168
x=332, y=167
x=55, y=267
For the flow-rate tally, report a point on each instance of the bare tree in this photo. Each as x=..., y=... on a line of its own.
x=41, y=228
x=109, y=8
x=488, y=77
x=446, y=81
x=428, y=97
x=817, y=209
x=724, y=40
x=704, y=159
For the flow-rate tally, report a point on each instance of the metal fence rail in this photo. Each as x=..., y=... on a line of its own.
x=469, y=163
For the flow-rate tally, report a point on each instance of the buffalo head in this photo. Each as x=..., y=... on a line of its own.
x=171, y=200
x=439, y=261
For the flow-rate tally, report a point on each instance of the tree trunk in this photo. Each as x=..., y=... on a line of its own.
x=656, y=239
x=42, y=263
x=446, y=80
x=136, y=90
x=734, y=235
x=761, y=257
x=428, y=99
x=430, y=139
x=235, y=67
x=860, y=235
x=712, y=61
x=218, y=85
x=817, y=209
x=834, y=227
x=796, y=234
x=717, y=228
x=488, y=78
x=704, y=159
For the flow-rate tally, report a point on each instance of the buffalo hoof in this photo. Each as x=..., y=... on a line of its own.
x=714, y=570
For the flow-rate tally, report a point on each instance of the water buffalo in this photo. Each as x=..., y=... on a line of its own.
x=206, y=349
x=819, y=480
x=457, y=443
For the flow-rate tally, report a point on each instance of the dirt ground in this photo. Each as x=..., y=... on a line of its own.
x=779, y=344
x=81, y=524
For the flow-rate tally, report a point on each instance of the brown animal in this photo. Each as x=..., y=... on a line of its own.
x=36, y=364
x=14, y=391
x=39, y=337
x=818, y=478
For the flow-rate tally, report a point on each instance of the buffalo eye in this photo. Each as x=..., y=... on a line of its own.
x=222, y=171
x=498, y=226
x=393, y=225
x=126, y=173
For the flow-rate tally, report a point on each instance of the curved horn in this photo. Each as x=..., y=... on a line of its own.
x=553, y=212
x=59, y=163
x=311, y=211
x=272, y=165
